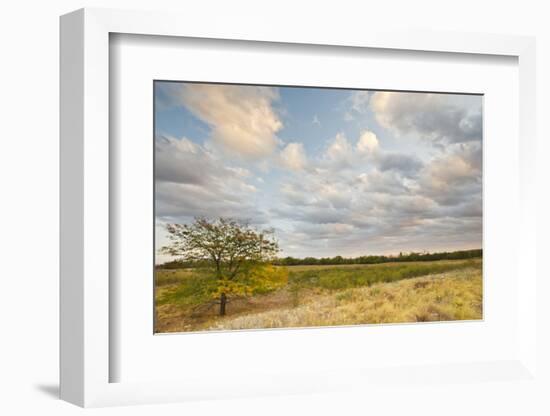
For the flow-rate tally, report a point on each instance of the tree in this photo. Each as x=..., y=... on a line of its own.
x=237, y=254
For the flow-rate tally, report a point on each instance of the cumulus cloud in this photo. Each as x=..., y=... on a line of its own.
x=339, y=152
x=453, y=175
x=368, y=142
x=438, y=117
x=342, y=154
x=191, y=181
x=293, y=156
x=242, y=118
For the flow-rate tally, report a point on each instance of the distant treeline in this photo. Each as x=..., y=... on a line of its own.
x=311, y=261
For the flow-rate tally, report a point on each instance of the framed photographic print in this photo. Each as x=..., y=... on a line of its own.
x=293, y=210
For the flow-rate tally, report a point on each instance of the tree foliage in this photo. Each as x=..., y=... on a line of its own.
x=236, y=255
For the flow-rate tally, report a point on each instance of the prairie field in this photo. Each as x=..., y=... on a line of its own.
x=328, y=295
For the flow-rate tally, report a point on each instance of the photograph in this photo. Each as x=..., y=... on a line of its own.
x=298, y=206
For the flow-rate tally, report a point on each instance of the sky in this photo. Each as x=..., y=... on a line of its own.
x=331, y=171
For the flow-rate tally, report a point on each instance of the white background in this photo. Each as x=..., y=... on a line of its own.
x=29, y=174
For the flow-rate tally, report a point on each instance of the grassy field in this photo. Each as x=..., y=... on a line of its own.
x=330, y=295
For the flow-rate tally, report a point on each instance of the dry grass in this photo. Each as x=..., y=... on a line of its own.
x=329, y=295
x=454, y=295
x=170, y=277
x=177, y=318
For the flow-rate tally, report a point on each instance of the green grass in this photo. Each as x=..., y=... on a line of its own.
x=182, y=287
x=337, y=278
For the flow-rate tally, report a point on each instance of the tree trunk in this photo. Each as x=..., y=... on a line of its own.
x=223, y=301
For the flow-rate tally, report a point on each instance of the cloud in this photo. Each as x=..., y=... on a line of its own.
x=461, y=165
x=293, y=194
x=404, y=164
x=386, y=182
x=358, y=104
x=342, y=154
x=315, y=190
x=438, y=117
x=368, y=142
x=315, y=121
x=242, y=118
x=293, y=156
x=455, y=176
x=176, y=202
x=182, y=161
x=407, y=165
x=334, y=194
x=191, y=181
x=339, y=152
x=329, y=230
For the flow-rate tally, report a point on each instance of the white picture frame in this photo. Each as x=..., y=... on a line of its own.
x=85, y=208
